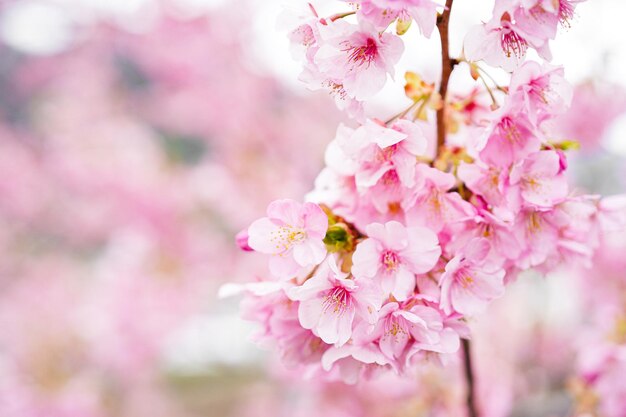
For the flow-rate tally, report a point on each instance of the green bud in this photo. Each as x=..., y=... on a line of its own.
x=338, y=238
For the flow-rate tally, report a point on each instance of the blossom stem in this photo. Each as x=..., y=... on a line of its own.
x=493, y=98
x=446, y=69
x=480, y=69
x=420, y=109
x=402, y=113
x=469, y=378
x=341, y=16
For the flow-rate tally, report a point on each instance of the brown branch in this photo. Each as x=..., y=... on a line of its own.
x=446, y=69
x=469, y=378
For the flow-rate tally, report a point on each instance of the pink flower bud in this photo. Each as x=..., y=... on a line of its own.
x=242, y=241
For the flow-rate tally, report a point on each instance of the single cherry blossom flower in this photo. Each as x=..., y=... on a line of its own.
x=393, y=254
x=356, y=57
x=505, y=246
x=330, y=301
x=300, y=21
x=490, y=182
x=470, y=281
x=539, y=237
x=292, y=233
x=501, y=43
x=404, y=329
x=382, y=12
x=511, y=137
x=544, y=89
x=540, y=180
x=377, y=149
x=433, y=205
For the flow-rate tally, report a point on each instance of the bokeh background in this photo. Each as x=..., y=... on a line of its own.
x=137, y=137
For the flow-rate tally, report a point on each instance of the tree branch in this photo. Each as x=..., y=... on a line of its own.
x=469, y=378
x=446, y=69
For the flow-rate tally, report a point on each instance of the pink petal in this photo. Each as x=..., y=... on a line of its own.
x=283, y=266
x=309, y=312
x=393, y=345
x=315, y=220
x=311, y=288
x=384, y=137
x=366, y=259
x=335, y=326
x=369, y=177
x=404, y=284
x=465, y=301
x=477, y=249
x=423, y=251
x=396, y=236
x=260, y=234
x=288, y=211
x=310, y=252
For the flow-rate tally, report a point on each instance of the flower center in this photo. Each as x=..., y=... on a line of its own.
x=464, y=278
x=395, y=328
x=390, y=178
x=566, y=12
x=288, y=236
x=385, y=154
x=390, y=261
x=361, y=55
x=512, y=43
x=534, y=222
x=337, y=301
x=510, y=130
x=336, y=89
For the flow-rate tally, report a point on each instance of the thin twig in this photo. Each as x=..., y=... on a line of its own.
x=469, y=378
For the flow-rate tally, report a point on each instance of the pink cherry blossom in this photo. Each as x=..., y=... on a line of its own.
x=330, y=302
x=501, y=43
x=470, y=281
x=382, y=12
x=539, y=236
x=293, y=233
x=358, y=58
x=433, y=206
x=280, y=326
x=376, y=150
x=497, y=45
x=490, y=182
x=505, y=246
x=404, y=330
x=540, y=179
x=394, y=254
x=300, y=21
x=350, y=362
x=511, y=137
x=545, y=91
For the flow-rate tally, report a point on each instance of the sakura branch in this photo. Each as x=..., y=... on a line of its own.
x=416, y=224
x=443, y=22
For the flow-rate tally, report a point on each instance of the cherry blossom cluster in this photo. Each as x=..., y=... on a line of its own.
x=405, y=237
x=517, y=25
